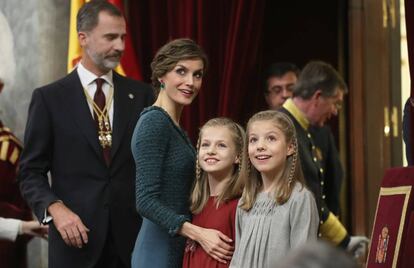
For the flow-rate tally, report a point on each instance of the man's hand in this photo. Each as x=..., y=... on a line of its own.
x=33, y=228
x=69, y=225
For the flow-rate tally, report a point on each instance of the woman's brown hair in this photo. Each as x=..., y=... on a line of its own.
x=170, y=54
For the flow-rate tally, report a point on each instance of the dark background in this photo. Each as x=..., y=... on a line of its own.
x=241, y=38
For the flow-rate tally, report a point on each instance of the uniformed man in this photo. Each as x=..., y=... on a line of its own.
x=318, y=96
x=279, y=81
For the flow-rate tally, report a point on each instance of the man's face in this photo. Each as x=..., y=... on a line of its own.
x=279, y=89
x=322, y=108
x=103, y=45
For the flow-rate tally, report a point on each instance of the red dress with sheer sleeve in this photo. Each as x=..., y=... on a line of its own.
x=222, y=219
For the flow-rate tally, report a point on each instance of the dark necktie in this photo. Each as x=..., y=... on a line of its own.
x=99, y=99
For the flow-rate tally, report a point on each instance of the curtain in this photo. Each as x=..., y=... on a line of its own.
x=128, y=65
x=230, y=33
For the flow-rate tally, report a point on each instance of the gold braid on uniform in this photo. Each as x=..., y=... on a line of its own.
x=6, y=140
x=332, y=229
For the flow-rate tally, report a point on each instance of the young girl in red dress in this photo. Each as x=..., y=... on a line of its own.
x=221, y=169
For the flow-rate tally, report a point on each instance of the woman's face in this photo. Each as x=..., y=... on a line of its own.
x=183, y=82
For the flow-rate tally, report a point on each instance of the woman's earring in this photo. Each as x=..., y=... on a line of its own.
x=162, y=85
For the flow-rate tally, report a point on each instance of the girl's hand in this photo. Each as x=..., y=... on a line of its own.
x=33, y=228
x=216, y=244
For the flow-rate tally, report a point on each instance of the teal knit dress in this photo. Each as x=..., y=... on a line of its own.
x=165, y=161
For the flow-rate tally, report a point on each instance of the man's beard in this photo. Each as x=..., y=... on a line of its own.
x=105, y=63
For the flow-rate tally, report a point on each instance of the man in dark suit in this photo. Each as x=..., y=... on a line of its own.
x=79, y=129
x=279, y=80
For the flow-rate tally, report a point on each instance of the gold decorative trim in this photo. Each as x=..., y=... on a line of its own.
x=12, y=138
x=333, y=230
x=297, y=114
x=3, y=150
x=386, y=191
x=14, y=156
x=16, y=140
x=5, y=129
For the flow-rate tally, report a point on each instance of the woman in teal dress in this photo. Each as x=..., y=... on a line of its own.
x=165, y=162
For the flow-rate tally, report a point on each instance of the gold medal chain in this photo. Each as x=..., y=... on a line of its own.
x=104, y=134
x=95, y=107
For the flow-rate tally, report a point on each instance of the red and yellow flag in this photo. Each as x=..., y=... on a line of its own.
x=127, y=67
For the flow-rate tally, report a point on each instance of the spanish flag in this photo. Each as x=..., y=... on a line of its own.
x=128, y=66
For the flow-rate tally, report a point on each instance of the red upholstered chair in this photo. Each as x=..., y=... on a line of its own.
x=392, y=239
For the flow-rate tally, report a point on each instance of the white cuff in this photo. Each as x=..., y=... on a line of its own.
x=9, y=228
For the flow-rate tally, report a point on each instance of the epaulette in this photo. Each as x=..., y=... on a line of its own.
x=5, y=131
x=10, y=146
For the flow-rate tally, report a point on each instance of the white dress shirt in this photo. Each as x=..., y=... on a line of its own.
x=87, y=79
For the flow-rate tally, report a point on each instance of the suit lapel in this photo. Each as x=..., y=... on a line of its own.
x=77, y=106
x=123, y=109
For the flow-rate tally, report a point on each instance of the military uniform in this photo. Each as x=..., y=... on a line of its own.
x=12, y=254
x=329, y=159
x=330, y=227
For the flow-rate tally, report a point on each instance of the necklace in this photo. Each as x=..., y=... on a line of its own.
x=104, y=131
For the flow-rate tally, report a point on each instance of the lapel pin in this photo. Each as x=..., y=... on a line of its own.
x=131, y=96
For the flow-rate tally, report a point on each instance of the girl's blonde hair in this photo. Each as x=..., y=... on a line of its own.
x=292, y=172
x=234, y=187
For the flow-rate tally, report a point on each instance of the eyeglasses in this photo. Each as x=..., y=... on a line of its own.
x=337, y=103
